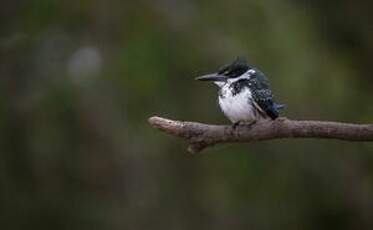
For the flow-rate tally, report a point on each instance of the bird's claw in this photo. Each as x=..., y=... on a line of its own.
x=235, y=124
x=238, y=123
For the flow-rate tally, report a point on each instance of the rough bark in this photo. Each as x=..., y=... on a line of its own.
x=200, y=136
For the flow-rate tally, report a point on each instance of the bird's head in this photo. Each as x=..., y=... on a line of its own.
x=228, y=73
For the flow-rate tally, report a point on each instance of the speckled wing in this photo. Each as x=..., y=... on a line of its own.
x=262, y=95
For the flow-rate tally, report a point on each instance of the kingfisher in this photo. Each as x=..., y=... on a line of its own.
x=244, y=93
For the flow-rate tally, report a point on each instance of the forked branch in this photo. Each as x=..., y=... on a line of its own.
x=200, y=136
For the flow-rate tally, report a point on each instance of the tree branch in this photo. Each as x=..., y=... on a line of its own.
x=200, y=136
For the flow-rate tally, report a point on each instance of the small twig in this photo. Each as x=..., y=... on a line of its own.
x=199, y=135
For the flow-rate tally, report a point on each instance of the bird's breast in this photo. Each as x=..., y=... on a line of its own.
x=237, y=107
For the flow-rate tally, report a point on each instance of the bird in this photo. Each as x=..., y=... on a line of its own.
x=244, y=94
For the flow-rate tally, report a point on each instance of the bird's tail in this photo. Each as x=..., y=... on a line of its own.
x=279, y=106
x=274, y=110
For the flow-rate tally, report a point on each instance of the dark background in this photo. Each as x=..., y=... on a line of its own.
x=78, y=79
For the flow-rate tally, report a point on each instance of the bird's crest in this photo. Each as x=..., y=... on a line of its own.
x=238, y=67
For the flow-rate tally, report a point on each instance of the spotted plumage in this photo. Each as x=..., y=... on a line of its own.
x=244, y=92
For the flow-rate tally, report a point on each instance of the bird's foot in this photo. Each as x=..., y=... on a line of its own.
x=243, y=123
x=235, y=124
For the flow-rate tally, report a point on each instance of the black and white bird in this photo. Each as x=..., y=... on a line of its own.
x=244, y=93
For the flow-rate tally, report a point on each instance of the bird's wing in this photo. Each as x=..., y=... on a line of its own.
x=262, y=95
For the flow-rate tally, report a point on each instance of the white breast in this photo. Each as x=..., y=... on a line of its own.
x=237, y=107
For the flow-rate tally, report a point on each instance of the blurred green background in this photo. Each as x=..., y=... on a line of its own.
x=78, y=79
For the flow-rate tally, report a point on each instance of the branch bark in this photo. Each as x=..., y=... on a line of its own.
x=199, y=135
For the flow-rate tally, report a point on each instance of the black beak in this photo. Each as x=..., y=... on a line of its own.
x=212, y=77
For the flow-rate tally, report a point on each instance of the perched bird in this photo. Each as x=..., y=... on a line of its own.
x=244, y=93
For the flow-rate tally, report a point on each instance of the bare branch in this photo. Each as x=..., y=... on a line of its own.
x=200, y=136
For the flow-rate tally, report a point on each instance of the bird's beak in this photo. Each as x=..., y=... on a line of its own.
x=212, y=77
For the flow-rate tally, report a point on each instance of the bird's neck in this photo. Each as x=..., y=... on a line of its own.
x=234, y=88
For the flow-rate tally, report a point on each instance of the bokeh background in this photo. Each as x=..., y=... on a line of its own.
x=78, y=80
